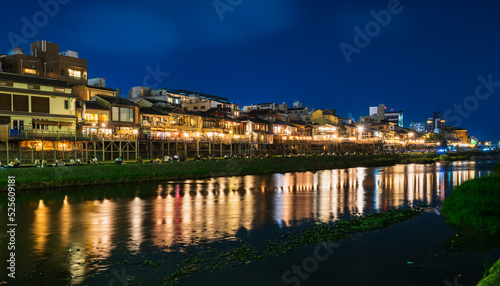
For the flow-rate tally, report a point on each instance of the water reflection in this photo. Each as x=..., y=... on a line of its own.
x=96, y=223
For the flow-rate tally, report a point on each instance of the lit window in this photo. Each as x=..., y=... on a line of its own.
x=75, y=74
x=30, y=71
x=56, y=89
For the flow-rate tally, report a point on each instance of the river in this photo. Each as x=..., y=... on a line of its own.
x=97, y=235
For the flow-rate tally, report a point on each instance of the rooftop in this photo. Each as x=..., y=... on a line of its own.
x=116, y=100
x=30, y=79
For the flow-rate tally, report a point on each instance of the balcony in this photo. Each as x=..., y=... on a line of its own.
x=15, y=134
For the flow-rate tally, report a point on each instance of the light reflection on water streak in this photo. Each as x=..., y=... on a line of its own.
x=196, y=211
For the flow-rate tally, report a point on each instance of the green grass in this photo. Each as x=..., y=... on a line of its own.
x=493, y=276
x=475, y=205
x=52, y=177
x=109, y=173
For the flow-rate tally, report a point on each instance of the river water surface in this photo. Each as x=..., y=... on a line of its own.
x=83, y=236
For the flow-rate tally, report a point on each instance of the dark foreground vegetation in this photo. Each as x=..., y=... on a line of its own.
x=315, y=234
x=474, y=208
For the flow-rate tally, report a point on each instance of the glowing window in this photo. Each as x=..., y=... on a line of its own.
x=30, y=71
x=75, y=74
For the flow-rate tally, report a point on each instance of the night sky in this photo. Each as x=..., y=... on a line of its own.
x=427, y=57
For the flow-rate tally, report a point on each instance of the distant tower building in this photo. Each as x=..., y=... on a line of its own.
x=395, y=117
x=436, y=124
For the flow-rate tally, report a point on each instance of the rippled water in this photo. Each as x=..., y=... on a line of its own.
x=103, y=225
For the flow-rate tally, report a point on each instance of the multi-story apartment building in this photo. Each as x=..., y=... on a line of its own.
x=45, y=60
x=436, y=124
x=35, y=104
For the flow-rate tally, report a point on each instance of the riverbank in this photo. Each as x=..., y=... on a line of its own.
x=131, y=172
x=474, y=207
x=53, y=177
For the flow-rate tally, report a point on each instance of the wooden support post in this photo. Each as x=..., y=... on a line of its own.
x=209, y=148
x=221, y=149
x=7, y=145
x=136, y=149
x=55, y=150
x=120, y=147
x=103, y=150
x=185, y=149
x=150, y=149
x=32, y=153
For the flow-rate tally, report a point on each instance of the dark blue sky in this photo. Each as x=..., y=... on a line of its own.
x=427, y=58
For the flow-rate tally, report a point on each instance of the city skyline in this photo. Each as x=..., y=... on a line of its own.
x=409, y=65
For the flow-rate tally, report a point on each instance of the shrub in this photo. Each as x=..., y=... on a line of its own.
x=475, y=205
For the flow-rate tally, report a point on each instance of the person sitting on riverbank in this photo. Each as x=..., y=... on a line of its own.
x=176, y=158
x=118, y=160
x=37, y=163
x=72, y=162
x=61, y=163
x=44, y=163
x=157, y=161
x=95, y=161
x=78, y=162
x=17, y=163
x=11, y=164
x=139, y=160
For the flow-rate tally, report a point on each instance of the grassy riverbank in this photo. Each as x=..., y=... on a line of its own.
x=475, y=205
x=52, y=177
x=474, y=208
x=493, y=276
